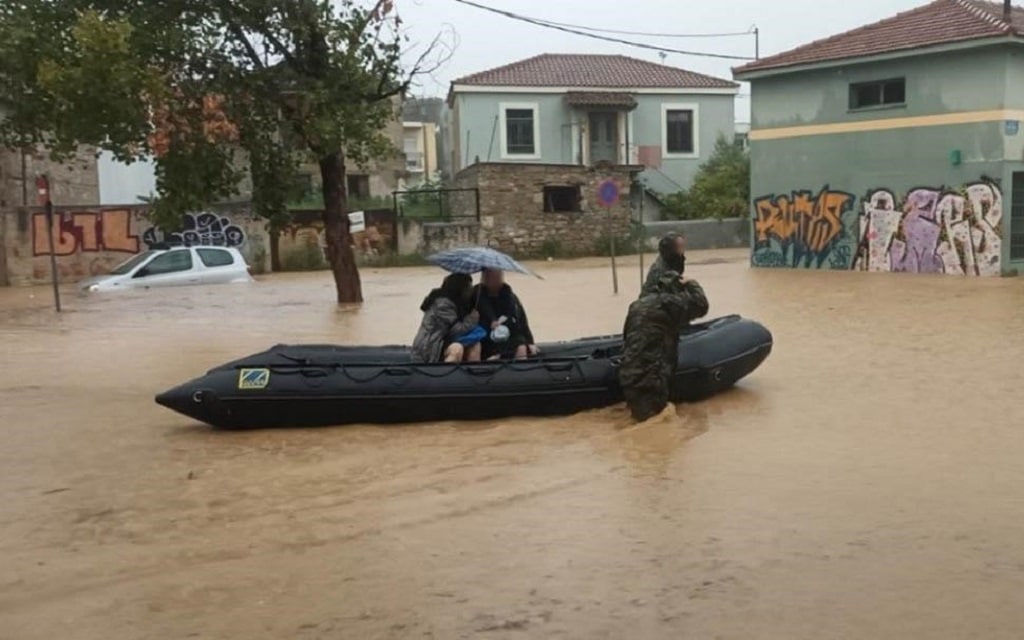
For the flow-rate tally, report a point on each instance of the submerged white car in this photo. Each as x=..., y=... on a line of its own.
x=173, y=266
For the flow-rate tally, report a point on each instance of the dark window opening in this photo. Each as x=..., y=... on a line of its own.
x=519, y=132
x=865, y=95
x=358, y=186
x=561, y=199
x=679, y=131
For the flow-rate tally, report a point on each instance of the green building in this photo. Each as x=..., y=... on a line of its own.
x=897, y=146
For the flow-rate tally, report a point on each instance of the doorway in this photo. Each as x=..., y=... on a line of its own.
x=604, y=136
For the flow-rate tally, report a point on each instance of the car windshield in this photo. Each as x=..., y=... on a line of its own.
x=129, y=264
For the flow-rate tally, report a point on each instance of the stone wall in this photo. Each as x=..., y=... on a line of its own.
x=91, y=240
x=728, y=233
x=301, y=245
x=512, y=212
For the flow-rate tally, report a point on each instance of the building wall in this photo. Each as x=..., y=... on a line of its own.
x=478, y=135
x=72, y=183
x=916, y=198
x=512, y=216
x=91, y=240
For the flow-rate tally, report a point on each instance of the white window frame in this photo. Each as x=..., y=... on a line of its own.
x=502, y=110
x=680, y=106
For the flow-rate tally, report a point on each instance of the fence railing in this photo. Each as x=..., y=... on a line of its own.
x=437, y=204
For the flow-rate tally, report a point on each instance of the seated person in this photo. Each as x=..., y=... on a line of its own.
x=447, y=319
x=504, y=318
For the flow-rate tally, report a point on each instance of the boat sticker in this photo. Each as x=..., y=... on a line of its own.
x=253, y=378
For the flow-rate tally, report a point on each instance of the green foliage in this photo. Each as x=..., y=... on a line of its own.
x=426, y=200
x=721, y=188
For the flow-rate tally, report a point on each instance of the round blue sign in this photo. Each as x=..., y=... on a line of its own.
x=608, y=193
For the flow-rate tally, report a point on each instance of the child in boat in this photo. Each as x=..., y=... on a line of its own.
x=449, y=323
x=503, y=317
x=651, y=341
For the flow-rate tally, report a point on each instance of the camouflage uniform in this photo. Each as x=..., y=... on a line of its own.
x=651, y=342
x=668, y=260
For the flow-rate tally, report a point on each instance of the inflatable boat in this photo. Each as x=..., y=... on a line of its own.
x=319, y=385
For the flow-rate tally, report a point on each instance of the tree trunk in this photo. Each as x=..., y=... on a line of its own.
x=275, y=251
x=336, y=229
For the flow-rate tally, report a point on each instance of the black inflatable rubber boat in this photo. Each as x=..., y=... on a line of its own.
x=317, y=385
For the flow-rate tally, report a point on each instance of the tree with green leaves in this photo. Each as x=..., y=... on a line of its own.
x=721, y=188
x=206, y=87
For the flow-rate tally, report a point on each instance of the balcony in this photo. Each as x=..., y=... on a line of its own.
x=414, y=161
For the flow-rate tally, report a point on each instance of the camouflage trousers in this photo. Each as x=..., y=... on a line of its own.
x=646, y=402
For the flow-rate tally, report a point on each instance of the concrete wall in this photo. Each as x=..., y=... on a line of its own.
x=91, y=240
x=477, y=119
x=73, y=183
x=421, y=237
x=728, y=233
x=512, y=212
x=860, y=193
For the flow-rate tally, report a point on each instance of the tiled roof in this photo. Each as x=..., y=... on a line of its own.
x=937, y=23
x=592, y=71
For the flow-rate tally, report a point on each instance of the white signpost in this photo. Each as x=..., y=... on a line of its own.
x=356, y=222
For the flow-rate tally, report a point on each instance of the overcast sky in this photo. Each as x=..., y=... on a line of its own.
x=483, y=40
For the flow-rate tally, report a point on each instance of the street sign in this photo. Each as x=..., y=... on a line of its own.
x=608, y=193
x=356, y=222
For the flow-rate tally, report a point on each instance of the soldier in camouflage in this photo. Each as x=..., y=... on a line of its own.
x=671, y=257
x=651, y=341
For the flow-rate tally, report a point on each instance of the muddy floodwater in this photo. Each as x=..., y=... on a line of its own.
x=866, y=482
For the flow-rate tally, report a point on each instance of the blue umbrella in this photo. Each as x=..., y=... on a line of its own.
x=474, y=259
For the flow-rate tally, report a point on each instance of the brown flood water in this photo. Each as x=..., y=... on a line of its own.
x=866, y=482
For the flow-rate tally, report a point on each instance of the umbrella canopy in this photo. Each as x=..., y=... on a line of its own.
x=474, y=259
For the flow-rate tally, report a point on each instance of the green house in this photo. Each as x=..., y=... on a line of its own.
x=897, y=146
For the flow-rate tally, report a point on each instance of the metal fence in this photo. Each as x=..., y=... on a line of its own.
x=437, y=204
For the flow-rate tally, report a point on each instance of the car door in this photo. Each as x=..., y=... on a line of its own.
x=218, y=266
x=171, y=268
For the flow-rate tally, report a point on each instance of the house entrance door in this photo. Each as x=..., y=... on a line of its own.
x=604, y=137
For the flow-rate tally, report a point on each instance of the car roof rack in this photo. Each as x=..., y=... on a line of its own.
x=168, y=244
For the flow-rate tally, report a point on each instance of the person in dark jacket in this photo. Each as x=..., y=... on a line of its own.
x=671, y=257
x=447, y=315
x=503, y=316
x=651, y=341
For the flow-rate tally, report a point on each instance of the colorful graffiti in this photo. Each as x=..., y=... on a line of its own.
x=200, y=229
x=85, y=232
x=933, y=230
x=800, y=229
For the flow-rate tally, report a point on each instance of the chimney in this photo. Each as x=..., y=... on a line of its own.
x=1007, y=7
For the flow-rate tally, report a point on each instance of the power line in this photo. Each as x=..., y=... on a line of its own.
x=748, y=32
x=575, y=30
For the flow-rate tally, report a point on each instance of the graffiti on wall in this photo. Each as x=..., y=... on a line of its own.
x=85, y=232
x=200, y=229
x=932, y=230
x=801, y=229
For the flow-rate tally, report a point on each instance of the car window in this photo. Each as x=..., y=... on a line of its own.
x=215, y=257
x=129, y=264
x=170, y=262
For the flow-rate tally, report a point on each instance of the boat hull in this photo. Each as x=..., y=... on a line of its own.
x=320, y=385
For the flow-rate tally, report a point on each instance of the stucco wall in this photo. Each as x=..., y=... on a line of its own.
x=928, y=193
x=91, y=240
x=478, y=123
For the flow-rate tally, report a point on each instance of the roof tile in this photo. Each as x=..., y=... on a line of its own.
x=937, y=23
x=592, y=71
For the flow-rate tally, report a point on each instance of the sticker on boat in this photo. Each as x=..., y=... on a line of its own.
x=253, y=378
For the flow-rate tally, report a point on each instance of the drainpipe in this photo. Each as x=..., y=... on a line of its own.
x=1007, y=10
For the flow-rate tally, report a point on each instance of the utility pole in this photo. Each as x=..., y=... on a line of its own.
x=43, y=192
